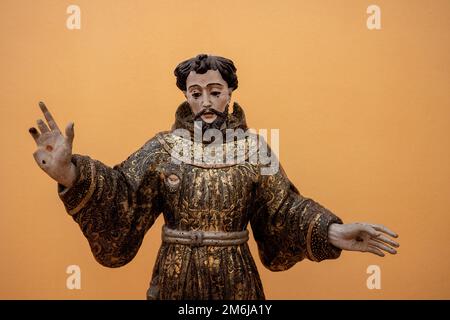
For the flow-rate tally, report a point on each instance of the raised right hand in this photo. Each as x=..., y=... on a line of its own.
x=54, y=151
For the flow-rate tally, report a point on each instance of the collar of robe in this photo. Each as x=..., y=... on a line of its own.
x=207, y=155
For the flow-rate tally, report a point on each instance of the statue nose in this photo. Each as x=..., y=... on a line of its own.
x=206, y=102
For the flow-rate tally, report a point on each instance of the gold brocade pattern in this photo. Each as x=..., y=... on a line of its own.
x=116, y=206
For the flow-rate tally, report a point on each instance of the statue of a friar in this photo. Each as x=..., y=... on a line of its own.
x=207, y=202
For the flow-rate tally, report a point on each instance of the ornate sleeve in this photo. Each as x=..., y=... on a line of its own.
x=115, y=207
x=289, y=227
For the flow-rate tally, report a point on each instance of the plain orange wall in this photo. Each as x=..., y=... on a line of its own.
x=363, y=118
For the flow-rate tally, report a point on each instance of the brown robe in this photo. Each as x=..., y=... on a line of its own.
x=115, y=207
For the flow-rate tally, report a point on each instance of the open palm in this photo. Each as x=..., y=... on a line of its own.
x=364, y=237
x=54, y=151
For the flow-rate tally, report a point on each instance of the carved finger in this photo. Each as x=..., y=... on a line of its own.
x=387, y=240
x=42, y=126
x=370, y=230
x=384, y=229
x=34, y=133
x=70, y=133
x=376, y=251
x=51, y=122
x=382, y=246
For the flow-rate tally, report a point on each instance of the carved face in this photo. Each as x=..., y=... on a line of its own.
x=207, y=91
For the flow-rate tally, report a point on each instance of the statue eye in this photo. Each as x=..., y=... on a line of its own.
x=196, y=94
x=215, y=93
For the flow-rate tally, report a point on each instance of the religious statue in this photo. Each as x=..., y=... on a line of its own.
x=207, y=205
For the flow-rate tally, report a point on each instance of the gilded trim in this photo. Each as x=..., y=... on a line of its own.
x=90, y=191
x=192, y=145
x=309, y=236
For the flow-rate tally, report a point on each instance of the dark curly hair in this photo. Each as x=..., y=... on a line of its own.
x=201, y=64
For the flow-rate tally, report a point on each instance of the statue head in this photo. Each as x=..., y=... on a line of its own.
x=207, y=82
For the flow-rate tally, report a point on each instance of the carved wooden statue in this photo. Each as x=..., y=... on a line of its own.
x=207, y=207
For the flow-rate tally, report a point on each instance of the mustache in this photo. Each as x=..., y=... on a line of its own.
x=210, y=110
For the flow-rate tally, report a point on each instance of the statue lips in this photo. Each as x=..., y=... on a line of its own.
x=208, y=115
x=209, y=111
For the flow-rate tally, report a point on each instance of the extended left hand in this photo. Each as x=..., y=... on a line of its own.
x=364, y=237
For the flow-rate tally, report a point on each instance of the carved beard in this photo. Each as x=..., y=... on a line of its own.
x=217, y=123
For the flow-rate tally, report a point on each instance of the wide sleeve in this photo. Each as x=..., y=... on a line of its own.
x=289, y=227
x=115, y=207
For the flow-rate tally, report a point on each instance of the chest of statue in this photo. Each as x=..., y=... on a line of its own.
x=216, y=199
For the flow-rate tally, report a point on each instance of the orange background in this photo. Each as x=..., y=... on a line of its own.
x=363, y=118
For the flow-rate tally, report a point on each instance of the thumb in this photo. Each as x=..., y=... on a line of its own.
x=70, y=133
x=371, y=231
